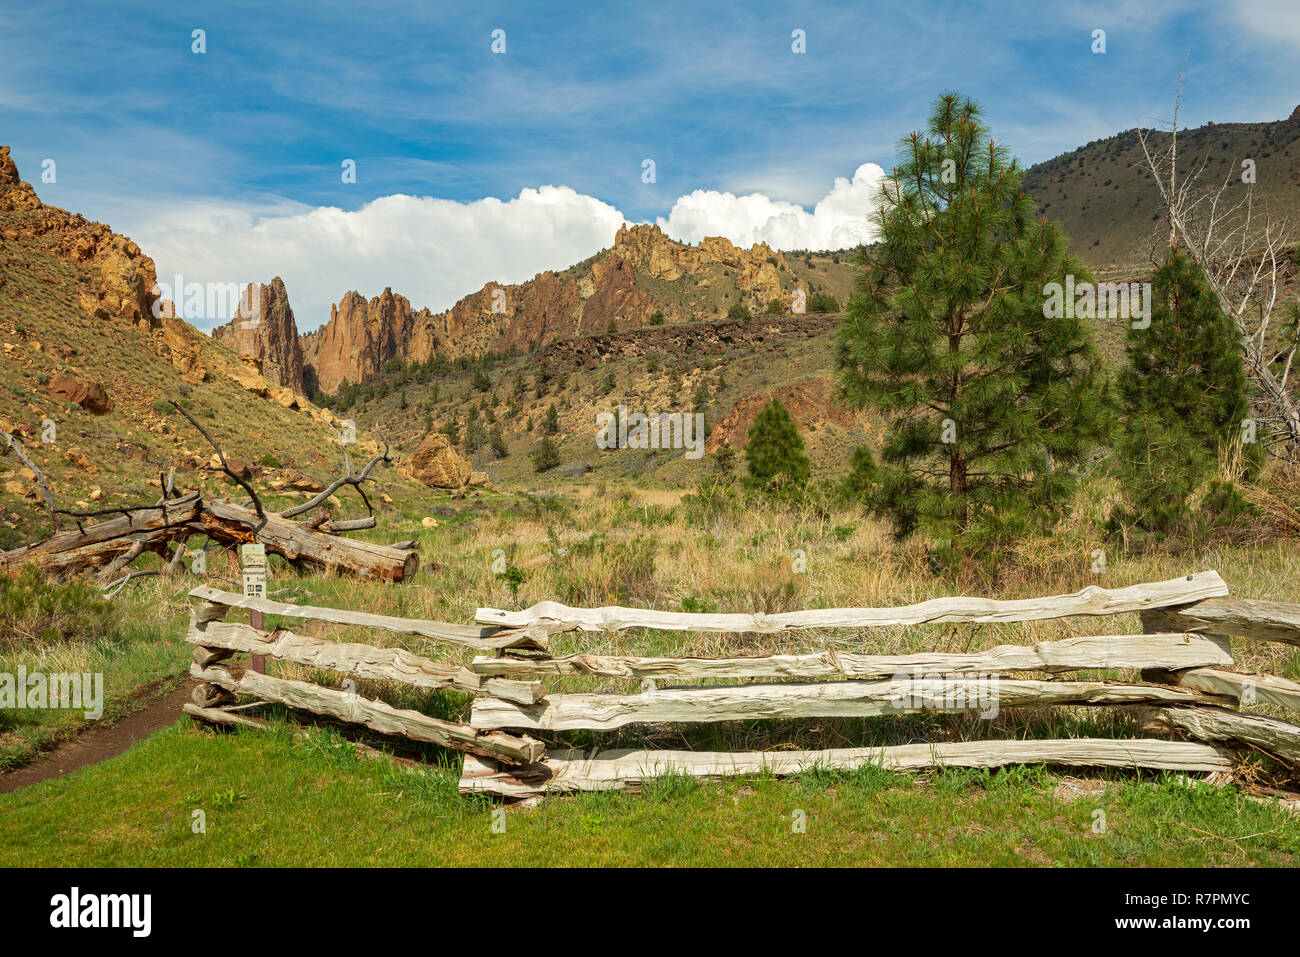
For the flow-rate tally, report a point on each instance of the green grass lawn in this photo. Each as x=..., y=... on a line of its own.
x=275, y=800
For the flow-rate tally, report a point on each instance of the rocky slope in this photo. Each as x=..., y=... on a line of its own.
x=1104, y=197
x=90, y=358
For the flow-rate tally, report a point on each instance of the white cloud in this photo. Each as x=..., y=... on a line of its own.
x=432, y=251
x=838, y=221
x=435, y=251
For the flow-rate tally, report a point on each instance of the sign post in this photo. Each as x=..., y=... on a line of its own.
x=253, y=560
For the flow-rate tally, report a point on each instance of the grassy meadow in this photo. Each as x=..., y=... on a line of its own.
x=278, y=798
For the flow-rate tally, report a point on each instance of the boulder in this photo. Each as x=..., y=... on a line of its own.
x=479, y=478
x=436, y=464
x=89, y=395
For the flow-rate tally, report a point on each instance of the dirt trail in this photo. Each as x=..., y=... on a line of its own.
x=99, y=743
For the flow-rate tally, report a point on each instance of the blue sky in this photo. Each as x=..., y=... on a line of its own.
x=200, y=156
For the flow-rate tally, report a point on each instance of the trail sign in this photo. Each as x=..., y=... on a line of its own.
x=253, y=559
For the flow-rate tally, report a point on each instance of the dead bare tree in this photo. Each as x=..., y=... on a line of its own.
x=1248, y=260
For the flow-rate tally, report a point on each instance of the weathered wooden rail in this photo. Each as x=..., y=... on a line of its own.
x=1184, y=657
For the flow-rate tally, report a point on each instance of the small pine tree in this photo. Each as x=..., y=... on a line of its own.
x=546, y=455
x=724, y=460
x=823, y=302
x=481, y=381
x=739, y=311
x=863, y=476
x=774, y=451
x=551, y=420
x=498, y=442
x=657, y=317
x=774, y=307
x=1183, y=398
x=989, y=398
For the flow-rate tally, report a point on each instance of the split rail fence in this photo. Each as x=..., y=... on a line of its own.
x=1184, y=656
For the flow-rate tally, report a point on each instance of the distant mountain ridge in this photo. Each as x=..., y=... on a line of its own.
x=643, y=278
x=1104, y=197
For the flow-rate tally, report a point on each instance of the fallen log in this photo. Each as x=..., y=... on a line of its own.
x=846, y=699
x=365, y=661
x=555, y=617
x=114, y=542
x=475, y=636
x=94, y=546
x=1272, y=735
x=1172, y=651
x=232, y=524
x=219, y=716
x=374, y=714
x=568, y=771
x=1244, y=617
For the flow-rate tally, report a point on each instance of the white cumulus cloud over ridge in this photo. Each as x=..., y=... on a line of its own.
x=434, y=251
x=838, y=221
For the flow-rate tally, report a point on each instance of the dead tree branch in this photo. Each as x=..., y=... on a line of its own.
x=17, y=446
x=348, y=478
x=221, y=456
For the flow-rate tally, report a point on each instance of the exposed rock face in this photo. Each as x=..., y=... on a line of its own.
x=811, y=403
x=268, y=332
x=89, y=395
x=705, y=338
x=123, y=278
x=184, y=346
x=359, y=338
x=361, y=335
x=436, y=464
x=646, y=246
x=542, y=310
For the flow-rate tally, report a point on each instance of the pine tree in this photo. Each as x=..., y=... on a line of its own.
x=988, y=400
x=551, y=420
x=724, y=460
x=774, y=451
x=1183, y=399
x=546, y=455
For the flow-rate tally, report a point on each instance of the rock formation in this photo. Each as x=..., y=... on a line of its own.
x=436, y=464
x=359, y=338
x=91, y=396
x=362, y=335
x=265, y=329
